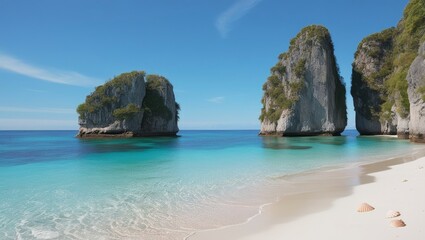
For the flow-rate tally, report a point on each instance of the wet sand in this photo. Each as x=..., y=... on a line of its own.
x=325, y=207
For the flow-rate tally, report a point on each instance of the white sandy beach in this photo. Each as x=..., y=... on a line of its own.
x=329, y=209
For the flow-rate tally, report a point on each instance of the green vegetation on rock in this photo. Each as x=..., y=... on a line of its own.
x=178, y=111
x=383, y=41
x=421, y=91
x=369, y=109
x=300, y=68
x=283, y=55
x=83, y=108
x=281, y=93
x=406, y=44
x=380, y=47
x=154, y=103
x=396, y=48
x=279, y=67
x=101, y=98
x=310, y=33
x=274, y=89
x=126, y=112
x=412, y=26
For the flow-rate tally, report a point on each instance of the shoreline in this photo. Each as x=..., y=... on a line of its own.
x=320, y=189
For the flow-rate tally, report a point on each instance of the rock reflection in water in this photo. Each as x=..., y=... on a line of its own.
x=283, y=143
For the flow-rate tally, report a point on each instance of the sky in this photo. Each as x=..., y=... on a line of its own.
x=217, y=54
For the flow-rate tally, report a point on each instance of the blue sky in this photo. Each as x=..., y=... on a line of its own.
x=216, y=53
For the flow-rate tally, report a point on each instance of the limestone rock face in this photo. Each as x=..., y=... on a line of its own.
x=128, y=106
x=160, y=119
x=304, y=94
x=368, y=87
x=416, y=91
x=97, y=113
x=380, y=69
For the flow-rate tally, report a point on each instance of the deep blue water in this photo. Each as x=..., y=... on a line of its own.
x=55, y=186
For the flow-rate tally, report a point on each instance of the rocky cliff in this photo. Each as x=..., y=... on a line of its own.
x=371, y=66
x=129, y=106
x=379, y=85
x=161, y=109
x=416, y=92
x=305, y=94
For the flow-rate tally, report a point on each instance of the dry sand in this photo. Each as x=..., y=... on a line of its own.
x=328, y=207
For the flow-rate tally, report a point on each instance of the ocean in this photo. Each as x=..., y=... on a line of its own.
x=55, y=186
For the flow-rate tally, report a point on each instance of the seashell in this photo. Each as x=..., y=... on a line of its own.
x=364, y=207
x=393, y=214
x=397, y=223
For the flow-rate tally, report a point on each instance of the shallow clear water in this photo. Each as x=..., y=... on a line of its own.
x=54, y=186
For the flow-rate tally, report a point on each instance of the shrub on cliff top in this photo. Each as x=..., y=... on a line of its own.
x=384, y=38
x=310, y=32
x=101, y=96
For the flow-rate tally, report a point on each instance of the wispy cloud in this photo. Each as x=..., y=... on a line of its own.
x=12, y=64
x=37, y=110
x=216, y=100
x=226, y=19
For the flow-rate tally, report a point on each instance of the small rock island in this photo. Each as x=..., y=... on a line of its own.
x=305, y=94
x=130, y=105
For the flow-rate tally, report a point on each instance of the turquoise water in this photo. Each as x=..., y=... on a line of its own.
x=54, y=186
